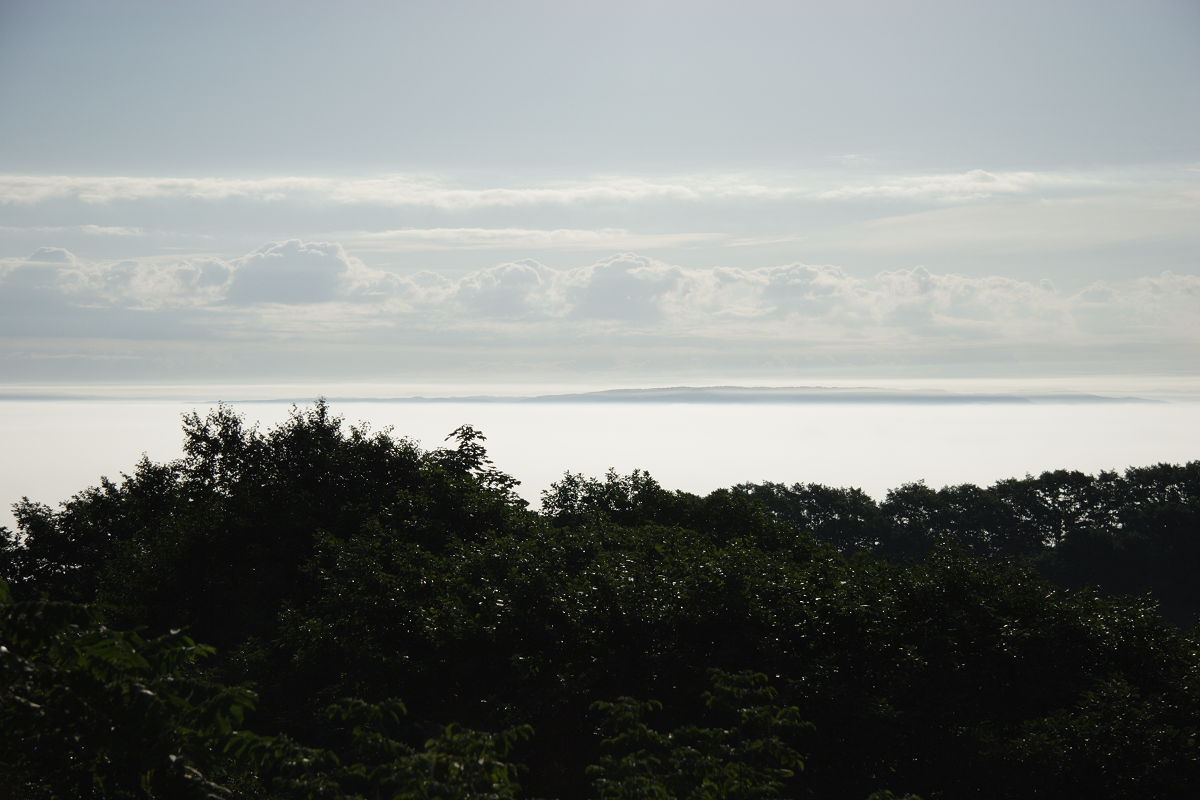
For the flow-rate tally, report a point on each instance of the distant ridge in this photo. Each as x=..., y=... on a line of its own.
x=777, y=395
x=763, y=394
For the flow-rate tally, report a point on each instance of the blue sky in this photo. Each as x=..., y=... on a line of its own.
x=607, y=191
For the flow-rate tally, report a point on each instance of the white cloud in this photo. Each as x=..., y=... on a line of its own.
x=403, y=190
x=442, y=193
x=669, y=195
x=30, y=189
x=32, y=284
x=314, y=291
x=291, y=272
x=814, y=304
x=92, y=230
x=518, y=289
x=976, y=184
x=395, y=190
x=63, y=279
x=111, y=230
x=1149, y=306
x=626, y=287
x=53, y=255
x=1036, y=225
x=192, y=283
x=418, y=239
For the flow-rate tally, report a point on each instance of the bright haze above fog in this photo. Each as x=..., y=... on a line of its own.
x=628, y=193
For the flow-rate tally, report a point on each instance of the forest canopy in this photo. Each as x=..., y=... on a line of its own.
x=320, y=610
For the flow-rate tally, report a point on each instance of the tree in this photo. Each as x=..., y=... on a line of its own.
x=88, y=711
x=745, y=752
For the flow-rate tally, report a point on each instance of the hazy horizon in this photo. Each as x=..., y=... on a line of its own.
x=67, y=445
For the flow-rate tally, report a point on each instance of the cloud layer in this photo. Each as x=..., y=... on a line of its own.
x=392, y=190
x=442, y=193
x=807, y=305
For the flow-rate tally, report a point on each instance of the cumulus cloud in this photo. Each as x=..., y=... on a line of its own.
x=35, y=282
x=288, y=273
x=518, y=289
x=318, y=291
x=54, y=276
x=153, y=285
x=1148, y=305
x=626, y=287
x=623, y=289
x=53, y=294
x=53, y=255
x=291, y=272
x=808, y=303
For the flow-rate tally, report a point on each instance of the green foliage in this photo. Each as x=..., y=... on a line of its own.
x=456, y=764
x=743, y=754
x=634, y=499
x=848, y=519
x=371, y=762
x=1114, y=741
x=917, y=638
x=92, y=712
x=1125, y=534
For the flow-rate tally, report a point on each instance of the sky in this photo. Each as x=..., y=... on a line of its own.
x=616, y=193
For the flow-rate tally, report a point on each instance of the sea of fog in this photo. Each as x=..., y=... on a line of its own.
x=53, y=448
